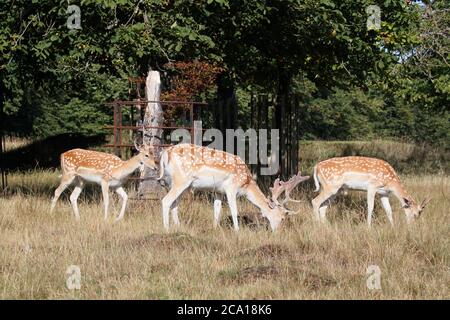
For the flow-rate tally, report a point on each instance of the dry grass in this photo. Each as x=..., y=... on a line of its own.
x=137, y=259
x=12, y=143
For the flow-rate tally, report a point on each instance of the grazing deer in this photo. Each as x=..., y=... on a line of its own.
x=79, y=166
x=361, y=173
x=188, y=165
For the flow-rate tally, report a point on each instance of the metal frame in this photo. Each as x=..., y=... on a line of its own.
x=136, y=85
x=118, y=126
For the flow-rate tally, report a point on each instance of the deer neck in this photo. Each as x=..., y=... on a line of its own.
x=127, y=168
x=401, y=194
x=255, y=196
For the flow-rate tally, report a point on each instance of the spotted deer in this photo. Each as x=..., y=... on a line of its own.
x=186, y=166
x=109, y=171
x=361, y=173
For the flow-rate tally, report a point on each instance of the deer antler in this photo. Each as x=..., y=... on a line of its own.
x=277, y=190
x=281, y=186
x=291, y=184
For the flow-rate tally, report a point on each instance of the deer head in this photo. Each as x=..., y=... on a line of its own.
x=146, y=156
x=412, y=209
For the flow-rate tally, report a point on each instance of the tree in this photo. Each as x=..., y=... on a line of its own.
x=56, y=80
x=417, y=89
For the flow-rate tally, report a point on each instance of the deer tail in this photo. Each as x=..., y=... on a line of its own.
x=316, y=180
x=162, y=163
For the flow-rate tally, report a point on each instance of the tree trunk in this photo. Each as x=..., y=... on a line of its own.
x=286, y=121
x=227, y=104
x=154, y=117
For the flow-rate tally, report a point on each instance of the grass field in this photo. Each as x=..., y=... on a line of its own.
x=137, y=259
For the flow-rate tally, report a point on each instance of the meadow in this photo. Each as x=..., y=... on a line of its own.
x=137, y=259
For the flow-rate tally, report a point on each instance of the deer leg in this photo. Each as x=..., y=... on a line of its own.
x=387, y=208
x=231, y=196
x=323, y=212
x=316, y=202
x=105, y=192
x=319, y=206
x=217, y=211
x=66, y=181
x=121, y=192
x=174, y=211
x=370, y=204
x=74, y=198
x=169, y=199
x=324, y=206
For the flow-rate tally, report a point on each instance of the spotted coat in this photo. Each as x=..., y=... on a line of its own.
x=79, y=159
x=193, y=158
x=380, y=171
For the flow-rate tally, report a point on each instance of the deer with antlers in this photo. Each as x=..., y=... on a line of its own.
x=361, y=173
x=109, y=171
x=190, y=166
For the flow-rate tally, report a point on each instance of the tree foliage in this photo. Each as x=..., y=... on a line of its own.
x=360, y=83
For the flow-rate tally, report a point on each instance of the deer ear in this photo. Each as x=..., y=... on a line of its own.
x=407, y=203
x=424, y=203
x=138, y=148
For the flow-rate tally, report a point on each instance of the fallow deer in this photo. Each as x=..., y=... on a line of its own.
x=188, y=165
x=109, y=171
x=361, y=173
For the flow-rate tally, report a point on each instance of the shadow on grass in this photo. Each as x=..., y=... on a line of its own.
x=45, y=153
x=32, y=184
x=90, y=193
x=406, y=158
x=24, y=162
x=173, y=241
x=249, y=220
x=239, y=276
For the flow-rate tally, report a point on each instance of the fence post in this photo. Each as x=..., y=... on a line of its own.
x=153, y=136
x=117, y=133
x=2, y=165
x=3, y=171
x=191, y=119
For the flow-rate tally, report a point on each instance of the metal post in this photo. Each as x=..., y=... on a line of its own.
x=3, y=171
x=119, y=131
x=116, y=130
x=2, y=147
x=191, y=117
